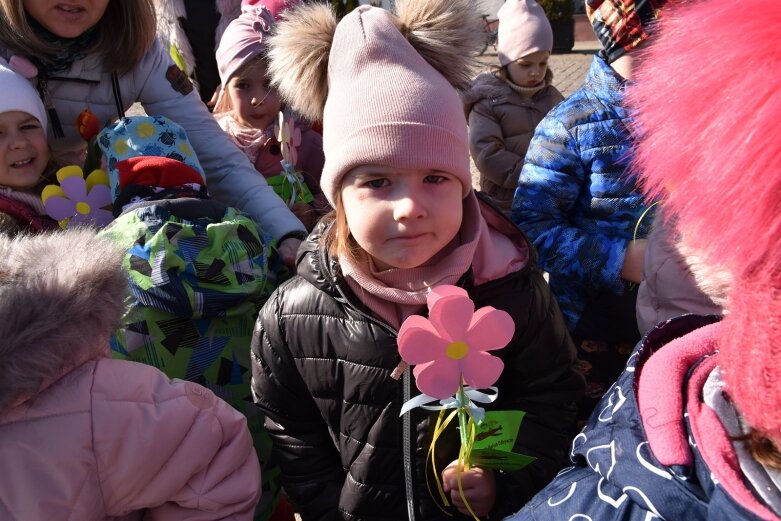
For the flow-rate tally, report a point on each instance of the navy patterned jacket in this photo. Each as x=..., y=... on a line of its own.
x=617, y=474
x=575, y=199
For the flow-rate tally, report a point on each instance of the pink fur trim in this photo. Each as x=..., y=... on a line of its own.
x=714, y=131
x=659, y=396
x=707, y=109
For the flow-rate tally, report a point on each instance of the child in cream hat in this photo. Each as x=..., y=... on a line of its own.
x=505, y=105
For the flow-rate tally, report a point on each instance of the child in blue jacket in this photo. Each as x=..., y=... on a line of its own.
x=577, y=201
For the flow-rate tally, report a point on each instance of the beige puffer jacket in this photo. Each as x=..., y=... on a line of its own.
x=501, y=125
x=676, y=281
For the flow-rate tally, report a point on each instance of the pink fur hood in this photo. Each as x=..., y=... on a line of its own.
x=83, y=436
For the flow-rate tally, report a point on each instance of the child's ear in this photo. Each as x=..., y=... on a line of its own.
x=298, y=58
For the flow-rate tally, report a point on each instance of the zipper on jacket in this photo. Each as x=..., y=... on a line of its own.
x=407, y=447
x=406, y=421
x=43, y=89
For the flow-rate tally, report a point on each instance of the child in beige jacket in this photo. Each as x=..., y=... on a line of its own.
x=505, y=105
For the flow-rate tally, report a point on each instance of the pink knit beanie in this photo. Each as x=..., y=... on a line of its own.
x=384, y=100
x=523, y=29
x=243, y=40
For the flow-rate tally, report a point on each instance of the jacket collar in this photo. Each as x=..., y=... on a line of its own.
x=603, y=81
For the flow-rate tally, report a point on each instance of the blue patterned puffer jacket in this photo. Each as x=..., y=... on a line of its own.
x=575, y=200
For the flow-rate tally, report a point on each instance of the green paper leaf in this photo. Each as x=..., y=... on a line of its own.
x=494, y=440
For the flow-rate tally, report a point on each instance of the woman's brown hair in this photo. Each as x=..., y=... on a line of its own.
x=762, y=449
x=124, y=34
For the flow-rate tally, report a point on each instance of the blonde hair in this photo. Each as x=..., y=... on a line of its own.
x=223, y=102
x=339, y=242
x=124, y=33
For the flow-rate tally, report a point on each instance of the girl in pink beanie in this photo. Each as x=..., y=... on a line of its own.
x=248, y=110
x=326, y=368
x=505, y=105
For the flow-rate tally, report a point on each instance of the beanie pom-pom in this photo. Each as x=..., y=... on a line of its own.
x=445, y=33
x=298, y=57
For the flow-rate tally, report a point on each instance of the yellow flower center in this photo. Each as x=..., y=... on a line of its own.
x=82, y=208
x=457, y=350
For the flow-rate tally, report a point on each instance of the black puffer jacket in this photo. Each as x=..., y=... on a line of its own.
x=321, y=373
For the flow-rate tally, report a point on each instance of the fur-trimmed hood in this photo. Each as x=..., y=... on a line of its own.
x=61, y=296
x=488, y=85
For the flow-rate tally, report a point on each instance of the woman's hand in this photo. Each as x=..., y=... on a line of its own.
x=479, y=486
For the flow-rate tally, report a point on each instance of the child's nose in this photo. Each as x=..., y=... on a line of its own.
x=258, y=99
x=18, y=140
x=409, y=206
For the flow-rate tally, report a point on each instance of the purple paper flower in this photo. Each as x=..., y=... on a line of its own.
x=78, y=201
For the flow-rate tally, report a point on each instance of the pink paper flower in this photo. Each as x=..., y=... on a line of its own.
x=452, y=344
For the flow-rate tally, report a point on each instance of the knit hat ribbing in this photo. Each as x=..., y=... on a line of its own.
x=622, y=25
x=387, y=105
x=20, y=95
x=382, y=83
x=523, y=29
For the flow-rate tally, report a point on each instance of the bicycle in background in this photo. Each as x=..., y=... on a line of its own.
x=491, y=31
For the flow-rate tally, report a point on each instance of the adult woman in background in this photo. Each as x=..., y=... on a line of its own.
x=94, y=58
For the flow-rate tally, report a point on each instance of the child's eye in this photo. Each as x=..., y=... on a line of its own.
x=30, y=126
x=436, y=179
x=240, y=85
x=377, y=183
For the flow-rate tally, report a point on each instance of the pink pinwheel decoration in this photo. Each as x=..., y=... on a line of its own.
x=453, y=343
x=79, y=201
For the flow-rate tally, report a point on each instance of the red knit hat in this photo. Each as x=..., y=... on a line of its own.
x=160, y=172
x=709, y=146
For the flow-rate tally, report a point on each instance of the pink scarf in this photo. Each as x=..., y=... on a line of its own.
x=395, y=294
x=249, y=139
